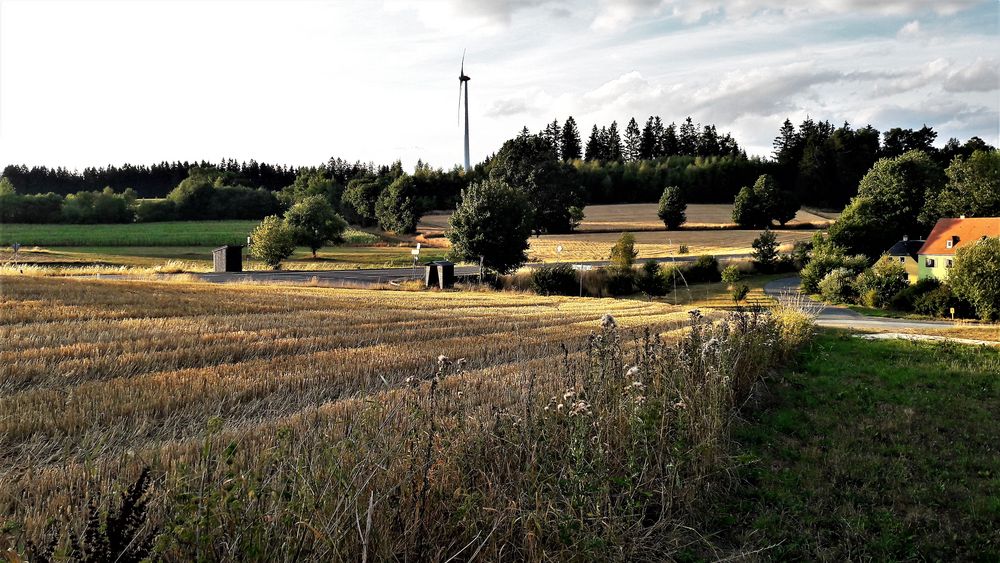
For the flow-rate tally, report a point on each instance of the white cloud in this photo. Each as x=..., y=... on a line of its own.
x=909, y=30
x=615, y=14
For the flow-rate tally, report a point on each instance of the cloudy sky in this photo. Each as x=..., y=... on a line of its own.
x=89, y=83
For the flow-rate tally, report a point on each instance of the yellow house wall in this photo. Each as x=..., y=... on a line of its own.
x=939, y=270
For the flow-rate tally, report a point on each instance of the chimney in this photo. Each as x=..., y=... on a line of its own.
x=962, y=216
x=906, y=238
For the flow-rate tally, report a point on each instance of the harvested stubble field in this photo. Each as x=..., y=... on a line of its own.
x=655, y=244
x=276, y=420
x=642, y=217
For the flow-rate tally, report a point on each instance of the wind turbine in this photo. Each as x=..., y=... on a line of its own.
x=463, y=80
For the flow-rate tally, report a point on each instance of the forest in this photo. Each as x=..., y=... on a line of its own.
x=819, y=163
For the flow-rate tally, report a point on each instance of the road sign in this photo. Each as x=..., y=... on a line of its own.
x=583, y=267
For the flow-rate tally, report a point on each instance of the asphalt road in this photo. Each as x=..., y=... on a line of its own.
x=841, y=317
x=384, y=275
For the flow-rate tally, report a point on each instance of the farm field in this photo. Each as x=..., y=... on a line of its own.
x=874, y=451
x=169, y=233
x=199, y=258
x=99, y=379
x=654, y=244
x=642, y=217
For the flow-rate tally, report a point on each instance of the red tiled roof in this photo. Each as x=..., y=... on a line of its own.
x=967, y=230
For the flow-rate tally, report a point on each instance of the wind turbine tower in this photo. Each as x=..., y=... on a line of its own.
x=463, y=80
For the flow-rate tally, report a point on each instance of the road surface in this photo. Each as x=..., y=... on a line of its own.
x=842, y=317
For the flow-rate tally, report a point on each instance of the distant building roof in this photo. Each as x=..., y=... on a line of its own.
x=959, y=232
x=906, y=248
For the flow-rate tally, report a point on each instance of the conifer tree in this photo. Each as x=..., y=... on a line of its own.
x=633, y=139
x=570, y=140
x=613, y=143
x=648, y=143
x=594, y=145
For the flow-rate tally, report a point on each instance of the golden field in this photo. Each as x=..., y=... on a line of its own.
x=99, y=378
x=654, y=244
x=642, y=217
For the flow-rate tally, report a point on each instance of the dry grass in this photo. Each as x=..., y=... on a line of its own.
x=302, y=423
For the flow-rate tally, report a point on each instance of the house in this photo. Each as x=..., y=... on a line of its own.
x=905, y=252
x=937, y=255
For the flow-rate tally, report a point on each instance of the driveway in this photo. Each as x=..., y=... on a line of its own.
x=787, y=289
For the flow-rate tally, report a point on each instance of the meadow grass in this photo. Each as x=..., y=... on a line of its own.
x=283, y=423
x=169, y=233
x=874, y=450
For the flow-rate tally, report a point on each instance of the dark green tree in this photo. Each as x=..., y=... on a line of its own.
x=633, y=138
x=672, y=208
x=972, y=189
x=613, y=144
x=397, y=209
x=976, y=277
x=648, y=142
x=765, y=252
x=527, y=164
x=595, y=145
x=570, y=142
x=359, y=199
x=888, y=205
x=493, y=221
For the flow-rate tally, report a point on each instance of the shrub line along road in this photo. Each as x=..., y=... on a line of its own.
x=787, y=289
x=377, y=276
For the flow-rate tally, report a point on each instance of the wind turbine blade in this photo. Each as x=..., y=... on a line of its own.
x=458, y=113
x=462, y=72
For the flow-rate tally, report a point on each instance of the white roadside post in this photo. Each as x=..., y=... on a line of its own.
x=582, y=268
x=416, y=256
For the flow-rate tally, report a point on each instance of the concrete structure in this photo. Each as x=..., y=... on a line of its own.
x=937, y=255
x=905, y=252
x=228, y=258
x=439, y=274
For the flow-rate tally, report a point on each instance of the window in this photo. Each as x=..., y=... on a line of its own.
x=902, y=259
x=948, y=243
x=948, y=263
x=929, y=262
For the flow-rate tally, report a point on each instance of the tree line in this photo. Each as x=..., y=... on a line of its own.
x=152, y=181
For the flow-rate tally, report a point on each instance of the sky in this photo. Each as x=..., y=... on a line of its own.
x=85, y=83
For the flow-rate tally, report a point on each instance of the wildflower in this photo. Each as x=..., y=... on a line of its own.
x=560, y=407
x=680, y=405
x=695, y=314
x=608, y=322
x=632, y=372
x=444, y=360
x=461, y=363
x=580, y=408
x=640, y=400
x=568, y=394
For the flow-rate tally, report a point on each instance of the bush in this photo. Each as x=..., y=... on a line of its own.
x=40, y=208
x=731, y=275
x=765, y=252
x=976, y=277
x=905, y=299
x=272, y=241
x=672, y=208
x=837, y=286
x=559, y=279
x=652, y=280
x=683, y=249
x=704, y=269
x=936, y=302
x=154, y=210
x=877, y=285
x=621, y=281
x=623, y=253
x=97, y=207
x=827, y=257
